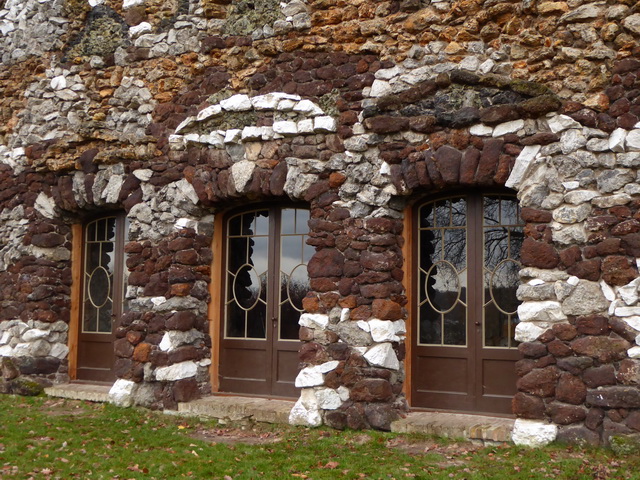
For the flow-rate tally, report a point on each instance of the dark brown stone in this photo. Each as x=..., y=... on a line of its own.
x=185, y=390
x=540, y=382
x=629, y=372
x=499, y=114
x=328, y=262
x=570, y=256
x=559, y=348
x=594, y=418
x=563, y=414
x=564, y=331
x=604, y=349
x=387, y=124
x=631, y=244
x=313, y=353
x=183, y=321
x=528, y=406
x=488, y=163
x=533, y=349
x=538, y=254
x=587, y=269
x=380, y=416
x=448, y=160
x=576, y=434
x=533, y=215
x=371, y=390
x=592, y=325
x=122, y=348
x=614, y=397
x=618, y=270
x=468, y=166
x=633, y=420
x=571, y=389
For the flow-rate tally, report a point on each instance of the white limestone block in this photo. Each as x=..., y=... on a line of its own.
x=380, y=88
x=7, y=351
x=34, y=334
x=214, y=139
x=309, y=377
x=185, y=123
x=286, y=105
x=533, y=433
x=617, y=140
x=45, y=205
x=210, y=111
x=251, y=133
x=308, y=107
x=400, y=327
x=328, y=399
x=577, y=197
x=629, y=293
x=314, y=320
x=177, y=371
x=633, y=322
x=126, y=4
x=383, y=331
x=383, y=355
x=559, y=123
x=305, y=412
x=627, y=311
x=265, y=102
x=364, y=325
x=122, y=392
x=572, y=140
x=177, y=142
x=143, y=174
x=522, y=165
x=305, y=126
x=607, y=291
x=139, y=29
x=529, y=332
x=59, y=350
x=241, y=173
x=285, y=127
x=385, y=169
x=324, y=124
x=507, y=127
x=175, y=338
x=59, y=83
x=633, y=140
x=326, y=367
x=543, y=311
x=233, y=135
x=634, y=352
x=611, y=200
x=157, y=301
x=535, y=282
x=236, y=103
x=388, y=73
x=192, y=138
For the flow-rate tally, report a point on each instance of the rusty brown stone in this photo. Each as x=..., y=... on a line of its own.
x=540, y=382
x=592, y=325
x=528, y=406
x=538, y=254
x=618, y=270
x=599, y=376
x=571, y=389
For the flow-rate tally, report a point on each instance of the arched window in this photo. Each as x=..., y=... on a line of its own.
x=464, y=309
x=266, y=279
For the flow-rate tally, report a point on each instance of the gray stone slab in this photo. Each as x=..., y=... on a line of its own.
x=80, y=391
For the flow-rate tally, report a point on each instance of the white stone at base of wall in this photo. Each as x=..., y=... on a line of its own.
x=533, y=433
x=122, y=392
x=306, y=412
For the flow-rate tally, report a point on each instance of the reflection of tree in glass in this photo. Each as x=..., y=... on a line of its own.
x=292, y=292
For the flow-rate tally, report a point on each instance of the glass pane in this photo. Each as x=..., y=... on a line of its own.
x=101, y=233
x=104, y=318
x=289, y=322
x=459, y=212
x=288, y=221
x=292, y=247
x=99, y=287
x=455, y=247
x=91, y=232
x=517, y=237
x=496, y=327
x=246, y=287
x=426, y=215
x=442, y=287
x=503, y=285
x=455, y=326
x=491, y=211
x=510, y=214
x=259, y=254
x=90, y=314
x=235, y=321
x=430, y=325
x=257, y=321
x=107, y=259
x=92, y=257
x=496, y=246
x=111, y=229
x=237, y=254
x=443, y=213
x=302, y=221
x=235, y=225
x=262, y=223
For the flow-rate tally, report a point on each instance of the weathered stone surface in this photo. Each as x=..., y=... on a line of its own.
x=540, y=382
x=531, y=433
x=571, y=389
x=604, y=349
x=614, y=397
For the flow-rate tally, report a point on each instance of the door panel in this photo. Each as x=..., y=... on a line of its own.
x=466, y=258
x=102, y=296
x=266, y=280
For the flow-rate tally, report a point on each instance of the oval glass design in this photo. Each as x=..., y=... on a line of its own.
x=246, y=287
x=298, y=286
x=99, y=287
x=503, y=286
x=442, y=286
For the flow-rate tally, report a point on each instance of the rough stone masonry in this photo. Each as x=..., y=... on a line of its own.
x=175, y=111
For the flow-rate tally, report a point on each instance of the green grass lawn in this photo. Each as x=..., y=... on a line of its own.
x=45, y=438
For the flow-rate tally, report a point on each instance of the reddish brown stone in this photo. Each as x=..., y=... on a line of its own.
x=122, y=348
x=571, y=389
x=629, y=372
x=540, y=382
x=387, y=124
x=570, y=256
x=524, y=366
x=533, y=215
x=185, y=390
x=528, y=406
x=532, y=349
x=563, y=414
x=564, y=331
x=592, y=325
x=538, y=254
x=448, y=161
x=328, y=262
x=488, y=163
x=313, y=353
x=633, y=420
x=614, y=397
x=587, y=269
x=599, y=376
x=603, y=349
x=631, y=244
x=468, y=166
x=386, y=310
x=618, y=270
x=371, y=390
x=594, y=418
x=558, y=348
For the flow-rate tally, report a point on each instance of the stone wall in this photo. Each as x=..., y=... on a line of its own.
x=174, y=112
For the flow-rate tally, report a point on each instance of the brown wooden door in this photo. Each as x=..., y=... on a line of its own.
x=266, y=280
x=464, y=310
x=102, y=297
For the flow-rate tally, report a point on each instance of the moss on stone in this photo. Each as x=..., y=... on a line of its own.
x=76, y=9
x=625, y=444
x=531, y=89
x=245, y=16
x=230, y=120
x=26, y=387
x=328, y=102
x=104, y=33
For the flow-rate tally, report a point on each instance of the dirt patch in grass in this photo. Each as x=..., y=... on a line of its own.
x=232, y=436
x=60, y=408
